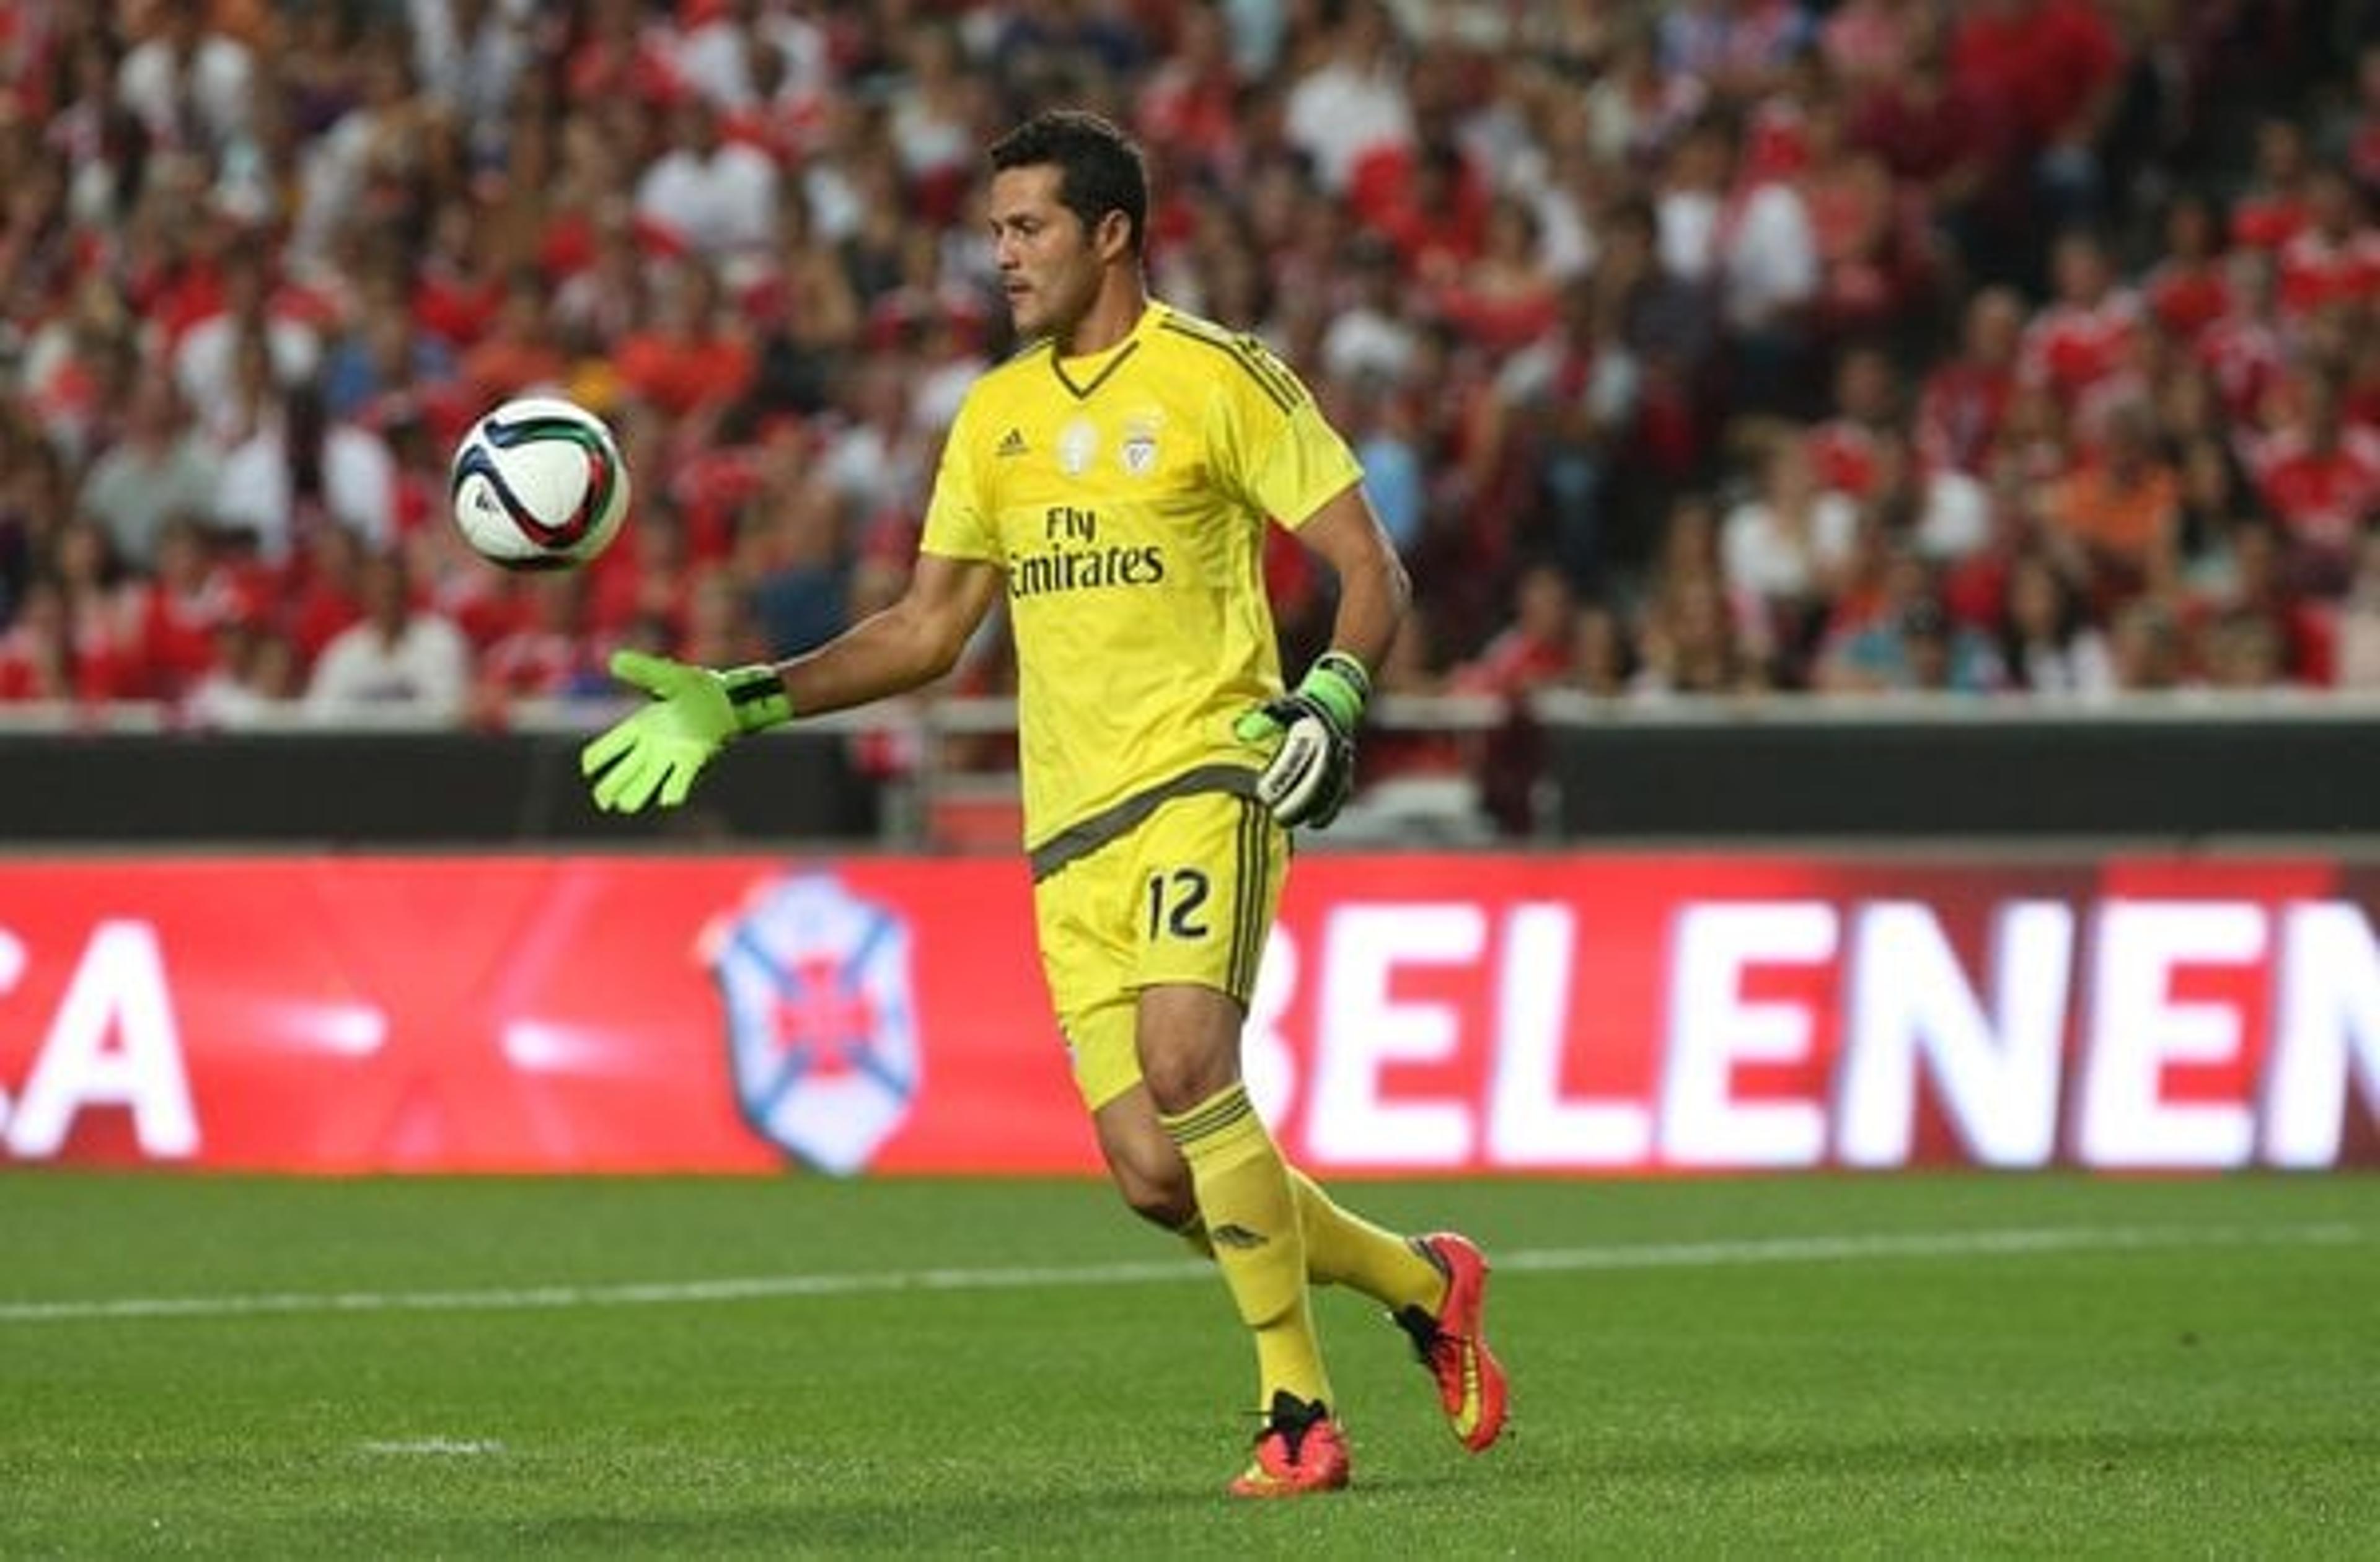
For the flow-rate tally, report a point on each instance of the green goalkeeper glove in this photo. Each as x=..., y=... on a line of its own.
x=655, y=752
x=1313, y=768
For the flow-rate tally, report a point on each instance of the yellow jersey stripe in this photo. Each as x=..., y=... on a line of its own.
x=1269, y=386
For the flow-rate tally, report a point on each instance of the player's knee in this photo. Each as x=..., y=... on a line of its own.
x=1157, y=1198
x=1181, y=1080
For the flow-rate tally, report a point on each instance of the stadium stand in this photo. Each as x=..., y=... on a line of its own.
x=1721, y=347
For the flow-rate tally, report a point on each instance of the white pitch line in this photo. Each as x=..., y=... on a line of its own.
x=440, y=1448
x=761, y=1288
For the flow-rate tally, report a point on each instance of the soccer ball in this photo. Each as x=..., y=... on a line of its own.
x=538, y=484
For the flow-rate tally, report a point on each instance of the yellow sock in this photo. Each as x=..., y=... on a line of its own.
x=1346, y=1249
x=1251, y=1218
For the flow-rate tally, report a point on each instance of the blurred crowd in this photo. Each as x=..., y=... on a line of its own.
x=1708, y=347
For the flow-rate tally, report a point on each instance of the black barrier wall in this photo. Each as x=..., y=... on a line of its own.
x=2133, y=777
x=402, y=789
x=1770, y=778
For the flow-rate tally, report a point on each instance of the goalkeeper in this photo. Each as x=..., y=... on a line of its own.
x=1113, y=480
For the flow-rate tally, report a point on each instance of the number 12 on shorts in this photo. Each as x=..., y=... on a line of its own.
x=1175, y=901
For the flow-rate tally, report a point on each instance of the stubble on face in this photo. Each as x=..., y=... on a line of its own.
x=1047, y=269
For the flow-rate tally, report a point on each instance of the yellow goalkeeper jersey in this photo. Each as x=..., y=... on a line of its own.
x=1126, y=494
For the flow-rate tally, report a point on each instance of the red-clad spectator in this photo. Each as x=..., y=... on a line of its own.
x=1429, y=201
x=2246, y=350
x=691, y=355
x=1871, y=244
x=1777, y=126
x=1191, y=102
x=1532, y=650
x=2334, y=258
x=709, y=489
x=622, y=53
x=2150, y=362
x=551, y=655
x=2320, y=479
x=2189, y=288
x=647, y=578
x=1939, y=136
x=1965, y=397
x=2085, y=333
x=2253, y=578
x=1866, y=402
x=175, y=615
x=521, y=349
x=453, y=583
x=1505, y=298
x=319, y=593
x=37, y=650
x=1975, y=588
x=173, y=272
x=455, y=288
x=2271, y=211
x=106, y=654
x=2056, y=63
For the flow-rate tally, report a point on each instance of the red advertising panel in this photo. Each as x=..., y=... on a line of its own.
x=1542, y=1014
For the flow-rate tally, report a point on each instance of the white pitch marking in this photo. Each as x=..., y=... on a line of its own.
x=764, y=1288
x=441, y=1446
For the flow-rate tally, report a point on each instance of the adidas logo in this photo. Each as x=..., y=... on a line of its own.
x=1236, y=1237
x=1011, y=443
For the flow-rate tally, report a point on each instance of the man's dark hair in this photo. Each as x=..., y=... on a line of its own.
x=1099, y=166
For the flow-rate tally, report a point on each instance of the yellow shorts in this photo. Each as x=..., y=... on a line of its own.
x=1186, y=897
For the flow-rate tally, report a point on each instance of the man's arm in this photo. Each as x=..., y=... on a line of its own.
x=653, y=754
x=911, y=643
x=1373, y=587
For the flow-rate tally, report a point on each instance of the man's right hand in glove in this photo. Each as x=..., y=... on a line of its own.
x=653, y=754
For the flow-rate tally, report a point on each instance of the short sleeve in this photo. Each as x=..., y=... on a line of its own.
x=959, y=524
x=1305, y=466
x=1287, y=459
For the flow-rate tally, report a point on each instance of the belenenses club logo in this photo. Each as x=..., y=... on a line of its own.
x=822, y=1018
x=1074, y=559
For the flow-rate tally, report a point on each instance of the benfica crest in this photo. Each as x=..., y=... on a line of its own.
x=821, y=1019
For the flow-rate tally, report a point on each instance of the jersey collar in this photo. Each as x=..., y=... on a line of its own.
x=1081, y=376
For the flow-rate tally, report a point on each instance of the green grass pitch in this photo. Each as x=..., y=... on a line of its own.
x=1830, y=1366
